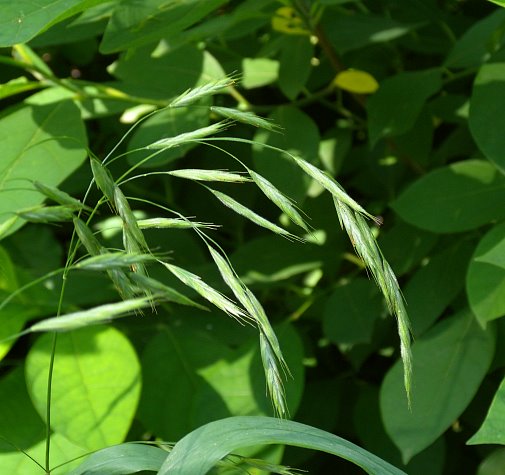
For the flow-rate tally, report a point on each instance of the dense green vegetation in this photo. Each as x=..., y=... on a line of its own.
x=292, y=164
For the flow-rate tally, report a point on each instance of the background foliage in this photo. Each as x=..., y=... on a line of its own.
x=402, y=101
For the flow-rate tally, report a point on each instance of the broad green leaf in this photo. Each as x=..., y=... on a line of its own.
x=167, y=123
x=63, y=451
x=22, y=21
x=81, y=31
x=373, y=436
x=433, y=287
x=20, y=425
x=394, y=108
x=134, y=23
x=258, y=72
x=122, y=460
x=449, y=363
x=96, y=385
x=494, y=463
x=27, y=154
x=455, y=198
x=13, y=318
x=485, y=279
x=300, y=137
x=350, y=312
x=214, y=378
x=295, y=67
x=491, y=430
x=350, y=32
x=200, y=450
x=158, y=72
x=477, y=44
x=486, y=114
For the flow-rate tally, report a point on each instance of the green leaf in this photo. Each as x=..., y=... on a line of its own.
x=476, y=45
x=258, y=72
x=434, y=286
x=158, y=72
x=21, y=22
x=404, y=246
x=486, y=114
x=122, y=460
x=96, y=385
x=449, y=363
x=62, y=452
x=485, y=280
x=295, y=67
x=300, y=137
x=20, y=424
x=200, y=450
x=134, y=24
x=215, y=378
x=350, y=312
x=27, y=154
x=348, y=32
x=395, y=107
x=494, y=463
x=455, y=198
x=371, y=432
x=491, y=430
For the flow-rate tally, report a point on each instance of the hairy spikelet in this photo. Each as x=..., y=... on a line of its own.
x=59, y=196
x=47, y=214
x=188, y=137
x=246, y=117
x=210, y=175
x=192, y=95
x=368, y=250
x=252, y=216
x=93, y=316
x=207, y=292
x=279, y=199
x=173, y=223
x=271, y=353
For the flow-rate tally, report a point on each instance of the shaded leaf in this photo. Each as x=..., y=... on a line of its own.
x=485, y=280
x=449, y=363
x=455, y=198
x=394, y=108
